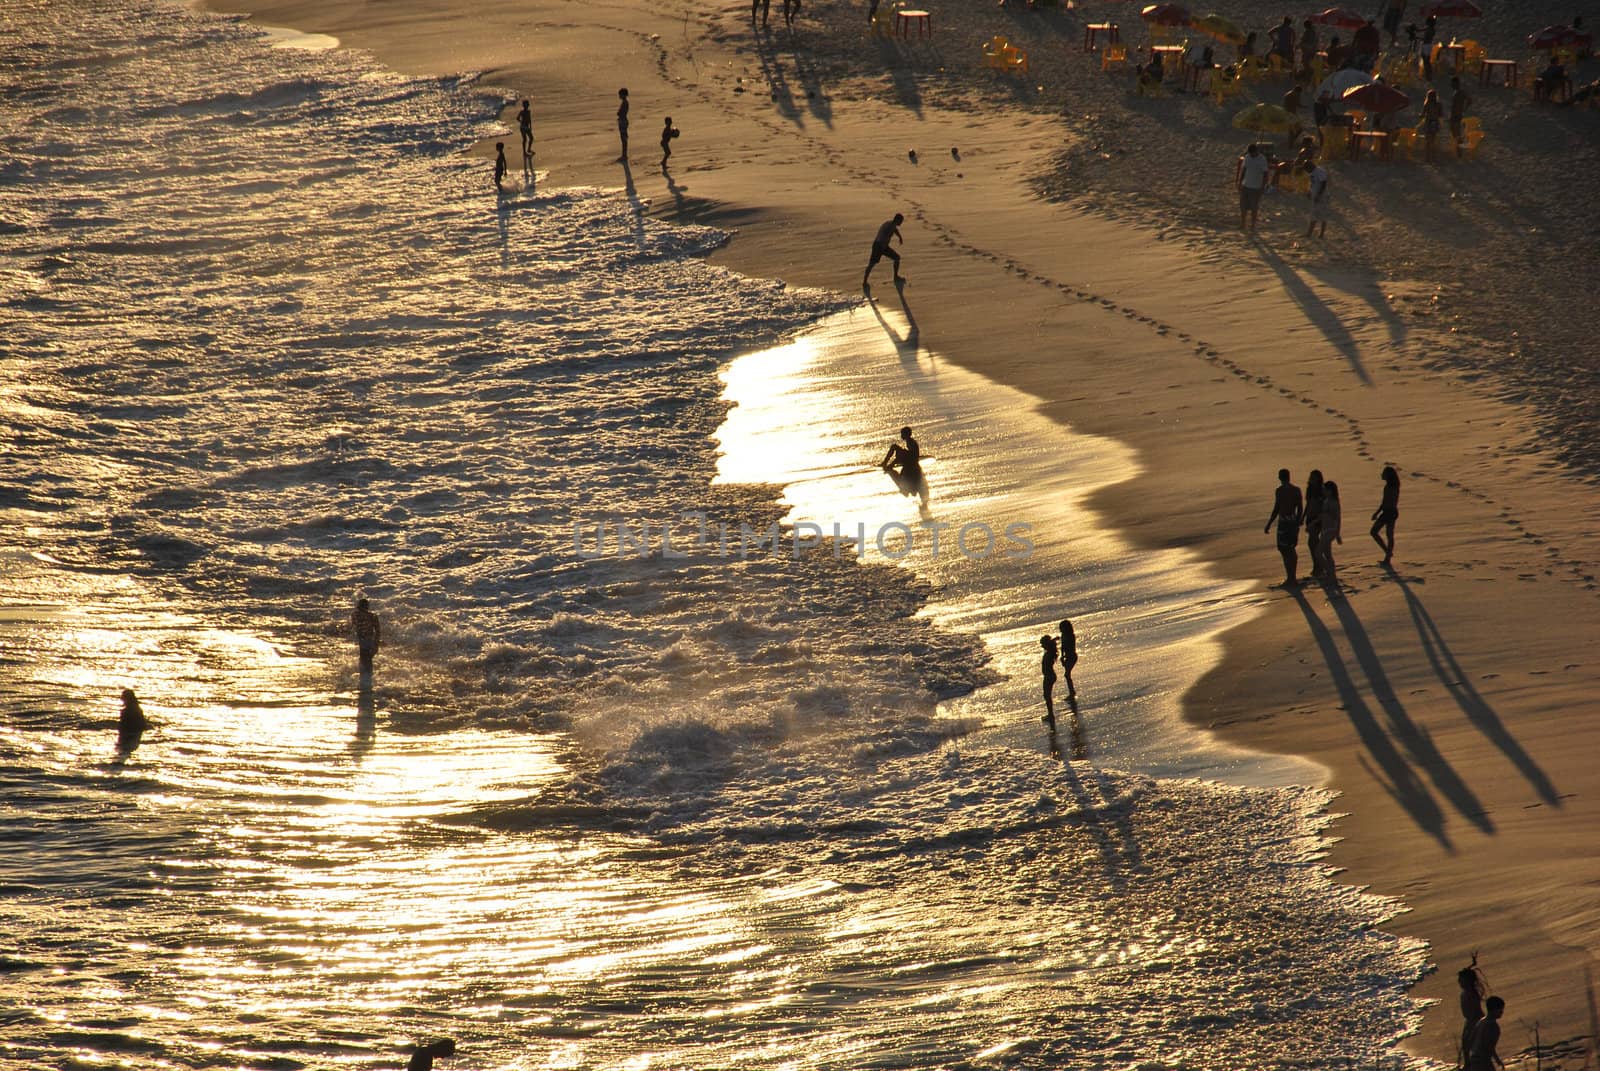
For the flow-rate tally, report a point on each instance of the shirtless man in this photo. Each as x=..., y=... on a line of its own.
x=1485, y=1037
x=880, y=249
x=903, y=462
x=1287, y=510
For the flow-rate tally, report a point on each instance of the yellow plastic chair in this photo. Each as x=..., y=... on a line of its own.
x=1405, y=140
x=1016, y=58
x=1275, y=63
x=1471, y=139
x=1112, y=56
x=1471, y=123
x=883, y=23
x=1224, y=86
x=1335, y=142
x=994, y=52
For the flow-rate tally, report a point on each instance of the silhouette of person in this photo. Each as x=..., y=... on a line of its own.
x=1332, y=515
x=369, y=635
x=1287, y=510
x=889, y=231
x=1313, y=519
x=525, y=124
x=1387, y=513
x=903, y=463
x=1486, y=1038
x=131, y=722
x=1047, y=667
x=1471, y=1006
x=422, y=1059
x=1069, y=656
x=668, y=132
x=622, y=123
x=791, y=8
x=499, y=163
x=766, y=9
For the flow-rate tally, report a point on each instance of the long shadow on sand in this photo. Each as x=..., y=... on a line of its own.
x=900, y=73
x=1418, y=744
x=816, y=95
x=1325, y=319
x=777, y=83
x=1394, y=773
x=1472, y=704
x=909, y=344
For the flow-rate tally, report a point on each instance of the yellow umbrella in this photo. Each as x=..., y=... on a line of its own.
x=1218, y=27
x=1266, y=119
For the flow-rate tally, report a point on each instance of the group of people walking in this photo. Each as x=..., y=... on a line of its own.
x=1322, y=514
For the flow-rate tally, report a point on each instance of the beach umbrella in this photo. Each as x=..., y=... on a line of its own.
x=1219, y=27
x=1165, y=15
x=1266, y=119
x=1377, y=98
x=1557, y=37
x=1339, y=81
x=1341, y=17
x=1452, y=9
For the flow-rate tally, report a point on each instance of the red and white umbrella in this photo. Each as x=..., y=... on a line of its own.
x=1376, y=98
x=1342, y=17
x=1452, y=9
x=1165, y=15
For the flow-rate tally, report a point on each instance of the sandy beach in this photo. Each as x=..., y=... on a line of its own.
x=1078, y=243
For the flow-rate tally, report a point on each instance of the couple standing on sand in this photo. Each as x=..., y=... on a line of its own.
x=668, y=131
x=1322, y=514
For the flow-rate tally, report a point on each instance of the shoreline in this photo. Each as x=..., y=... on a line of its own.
x=1241, y=379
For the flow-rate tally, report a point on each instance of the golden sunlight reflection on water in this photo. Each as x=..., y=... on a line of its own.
x=817, y=415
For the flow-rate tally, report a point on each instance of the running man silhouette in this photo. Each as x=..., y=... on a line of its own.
x=499, y=163
x=622, y=123
x=880, y=249
x=1387, y=513
x=525, y=124
x=668, y=132
x=369, y=635
x=1287, y=510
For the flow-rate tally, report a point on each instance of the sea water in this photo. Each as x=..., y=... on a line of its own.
x=270, y=342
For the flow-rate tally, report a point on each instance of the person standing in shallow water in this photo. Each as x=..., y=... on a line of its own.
x=1287, y=510
x=369, y=635
x=1069, y=656
x=131, y=723
x=1047, y=667
x=525, y=124
x=1471, y=1007
x=1387, y=513
x=499, y=163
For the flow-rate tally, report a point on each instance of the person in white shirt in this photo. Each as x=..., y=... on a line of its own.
x=1319, y=201
x=1251, y=179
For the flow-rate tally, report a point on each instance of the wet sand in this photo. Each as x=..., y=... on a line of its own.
x=1449, y=699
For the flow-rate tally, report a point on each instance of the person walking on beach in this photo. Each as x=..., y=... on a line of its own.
x=622, y=124
x=1319, y=201
x=668, y=132
x=1287, y=510
x=131, y=722
x=880, y=249
x=1315, y=493
x=1069, y=656
x=1431, y=110
x=1460, y=101
x=499, y=164
x=1251, y=179
x=1470, y=982
x=1047, y=668
x=1486, y=1038
x=1387, y=513
x=1332, y=515
x=369, y=635
x=525, y=124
